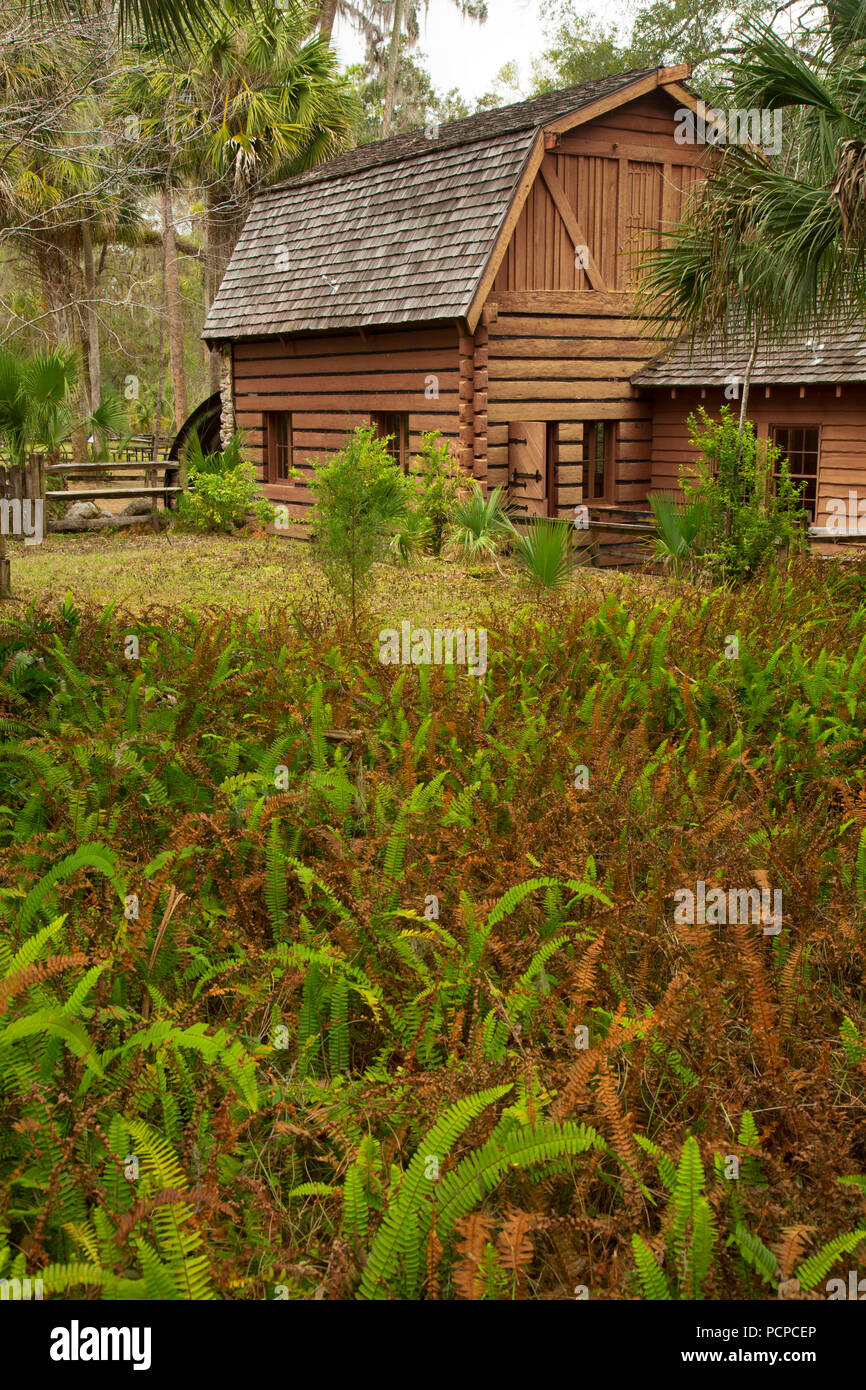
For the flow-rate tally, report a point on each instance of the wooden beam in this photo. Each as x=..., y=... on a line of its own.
x=509, y=222
x=668, y=196
x=685, y=98
x=585, y=302
x=802, y=392
x=572, y=226
x=838, y=392
x=656, y=153
x=678, y=73
x=766, y=393
x=622, y=206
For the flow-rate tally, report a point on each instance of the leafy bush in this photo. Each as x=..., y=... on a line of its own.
x=223, y=490
x=442, y=480
x=362, y=498
x=736, y=517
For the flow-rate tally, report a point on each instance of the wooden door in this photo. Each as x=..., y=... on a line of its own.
x=528, y=468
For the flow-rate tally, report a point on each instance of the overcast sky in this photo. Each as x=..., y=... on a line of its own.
x=468, y=56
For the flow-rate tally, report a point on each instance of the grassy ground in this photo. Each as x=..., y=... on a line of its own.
x=254, y=571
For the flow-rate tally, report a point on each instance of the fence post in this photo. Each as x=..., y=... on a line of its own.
x=5, y=578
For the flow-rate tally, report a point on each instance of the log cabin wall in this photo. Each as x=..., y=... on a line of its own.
x=331, y=383
x=563, y=341
x=839, y=413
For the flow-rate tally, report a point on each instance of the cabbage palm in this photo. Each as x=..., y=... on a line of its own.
x=481, y=524
x=256, y=100
x=170, y=24
x=681, y=530
x=38, y=407
x=545, y=551
x=777, y=241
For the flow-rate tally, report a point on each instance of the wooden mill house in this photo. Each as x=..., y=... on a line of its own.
x=475, y=279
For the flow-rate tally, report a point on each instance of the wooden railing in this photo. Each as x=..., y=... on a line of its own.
x=104, y=474
x=31, y=482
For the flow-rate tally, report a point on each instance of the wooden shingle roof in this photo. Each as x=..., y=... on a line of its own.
x=399, y=231
x=824, y=355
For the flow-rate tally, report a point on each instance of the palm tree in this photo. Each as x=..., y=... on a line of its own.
x=167, y=24
x=781, y=241
x=37, y=404
x=254, y=101
x=404, y=19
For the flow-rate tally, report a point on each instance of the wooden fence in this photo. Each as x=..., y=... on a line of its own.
x=105, y=475
x=103, y=480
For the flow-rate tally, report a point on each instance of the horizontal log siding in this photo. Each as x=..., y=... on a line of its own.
x=842, y=458
x=333, y=383
x=568, y=368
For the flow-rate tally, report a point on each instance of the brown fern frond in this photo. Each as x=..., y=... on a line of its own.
x=36, y=973
x=475, y=1231
x=788, y=981
x=514, y=1241
x=790, y=1249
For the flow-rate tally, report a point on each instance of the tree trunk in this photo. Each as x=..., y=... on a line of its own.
x=55, y=263
x=160, y=367
x=327, y=15
x=174, y=310
x=94, y=355
x=391, y=78
x=747, y=380
x=225, y=218
x=212, y=275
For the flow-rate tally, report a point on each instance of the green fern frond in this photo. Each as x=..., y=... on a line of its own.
x=756, y=1254
x=527, y=1147
x=818, y=1266
x=653, y=1282
x=414, y=1190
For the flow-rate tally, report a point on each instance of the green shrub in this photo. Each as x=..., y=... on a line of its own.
x=362, y=498
x=441, y=479
x=223, y=490
x=734, y=519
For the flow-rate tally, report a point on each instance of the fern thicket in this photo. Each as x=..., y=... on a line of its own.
x=281, y=926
